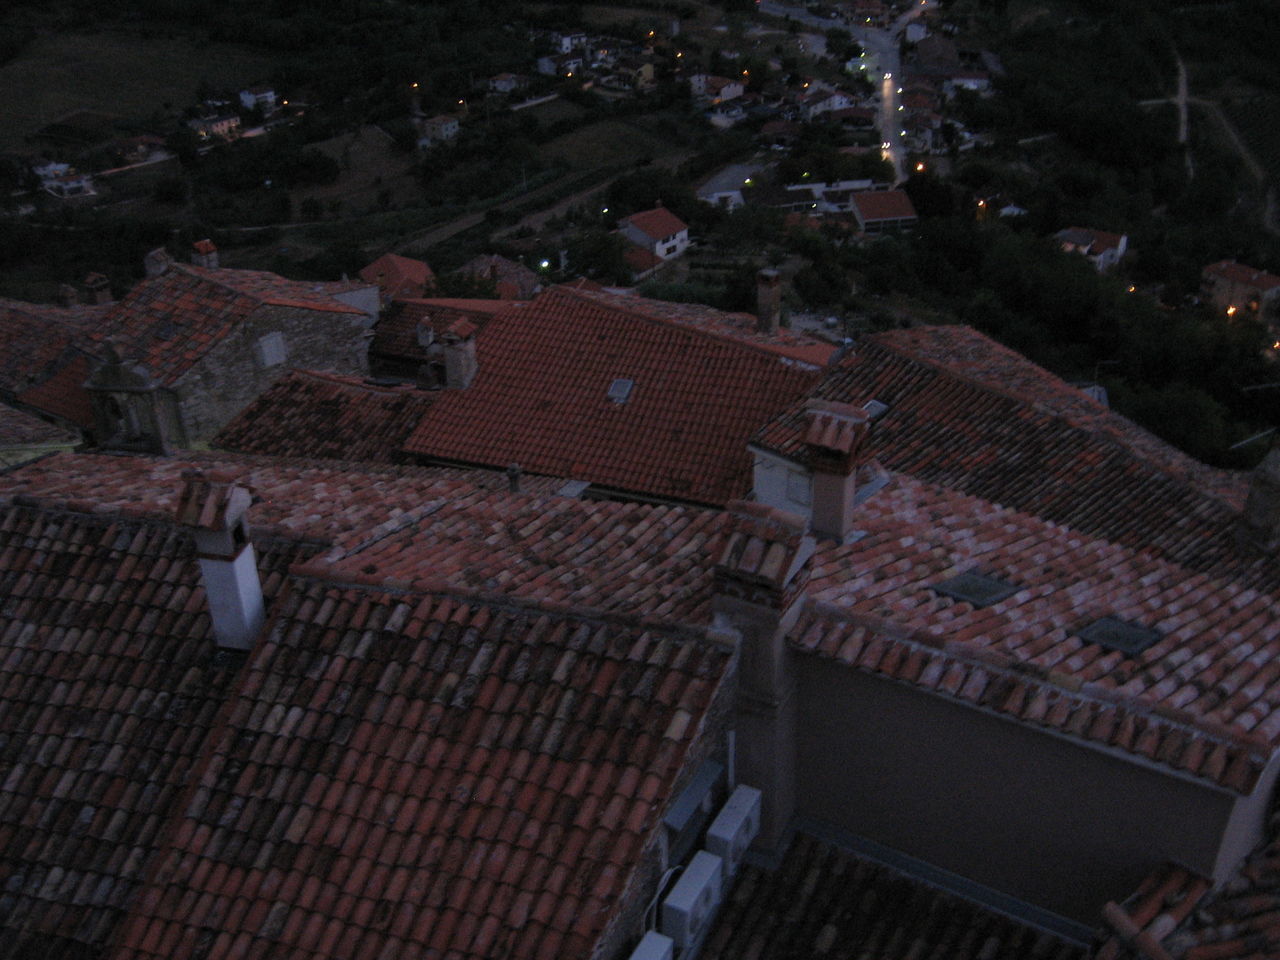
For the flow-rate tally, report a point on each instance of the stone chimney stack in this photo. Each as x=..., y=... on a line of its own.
x=459, y=342
x=759, y=581
x=99, y=288
x=68, y=296
x=833, y=441
x=215, y=511
x=1260, y=522
x=157, y=262
x=204, y=253
x=768, y=300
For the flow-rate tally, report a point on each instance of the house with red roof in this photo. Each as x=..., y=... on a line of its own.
x=1103, y=249
x=658, y=231
x=1233, y=287
x=179, y=355
x=399, y=277
x=882, y=211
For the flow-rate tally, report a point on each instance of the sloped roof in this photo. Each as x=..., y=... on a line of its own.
x=1094, y=242
x=308, y=413
x=514, y=281
x=1201, y=699
x=822, y=901
x=739, y=326
x=541, y=399
x=36, y=339
x=968, y=414
x=167, y=323
x=657, y=223
x=393, y=769
x=399, y=276
x=873, y=205
x=1244, y=275
x=396, y=334
x=20, y=429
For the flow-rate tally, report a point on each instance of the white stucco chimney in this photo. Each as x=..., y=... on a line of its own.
x=215, y=512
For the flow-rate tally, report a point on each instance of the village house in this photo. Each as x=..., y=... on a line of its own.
x=261, y=97
x=1104, y=250
x=225, y=125
x=883, y=211
x=1233, y=287
x=399, y=277
x=658, y=231
x=188, y=347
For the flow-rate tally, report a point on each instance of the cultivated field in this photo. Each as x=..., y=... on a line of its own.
x=614, y=142
x=124, y=75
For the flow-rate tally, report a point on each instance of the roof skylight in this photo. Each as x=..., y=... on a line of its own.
x=975, y=588
x=1116, y=634
x=620, y=390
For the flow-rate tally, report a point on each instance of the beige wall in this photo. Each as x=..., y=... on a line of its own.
x=1053, y=822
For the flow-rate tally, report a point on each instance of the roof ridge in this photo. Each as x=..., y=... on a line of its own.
x=317, y=570
x=1086, y=691
x=674, y=324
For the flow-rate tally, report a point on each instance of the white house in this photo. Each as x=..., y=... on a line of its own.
x=659, y=231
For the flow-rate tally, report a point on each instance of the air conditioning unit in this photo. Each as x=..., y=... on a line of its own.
x=734, y=827
x=654, y=946
x=688, y=909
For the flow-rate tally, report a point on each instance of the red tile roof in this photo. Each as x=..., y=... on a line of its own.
x=641, y=260
x=541, y=399
x=822, y=901
x=37, y=339
x=395, y=338
x=971, y=415
x=739, y=326
x=1093, y=242
x=394, y=771
x=1202, y=699
x=875, y=205
x=658, y=223
x=1245, y=276
x=168, y=323
x=399, y=276
x=313, y=414
x=21, y=429
x=61, y=394
x=514, y=281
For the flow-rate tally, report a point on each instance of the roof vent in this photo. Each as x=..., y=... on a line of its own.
x=620, y=390
x=975, y=588
x=1115, y=634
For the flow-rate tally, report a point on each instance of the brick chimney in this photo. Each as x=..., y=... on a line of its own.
x=214, y=509
x=1260, y=522
x=99, y=288
x=459, y=342
x=768, y=300
x=759, y=580
x=157, y=262
x=833, y=441
x=204, y=253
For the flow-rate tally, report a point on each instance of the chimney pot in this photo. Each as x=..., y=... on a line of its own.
x=157, y=262
x=513, y=477
x=67, y=295
x=768, y=300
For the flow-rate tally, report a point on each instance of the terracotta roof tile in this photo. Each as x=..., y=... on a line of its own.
x=396, y=336
x=398, y=276
x=1244, y=275
x=875, y=605
x=20, y=429
x=329, y=416
x=971, y=415
x=822, y=901
x=541, y=399
x=658, y=223
x=875, y=205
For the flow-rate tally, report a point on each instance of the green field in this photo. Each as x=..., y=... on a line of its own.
x=614, y=143
x=124, y=75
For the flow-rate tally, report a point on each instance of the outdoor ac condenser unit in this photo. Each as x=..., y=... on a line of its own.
x=734, y=827
x=688, y=909
x=654, y=946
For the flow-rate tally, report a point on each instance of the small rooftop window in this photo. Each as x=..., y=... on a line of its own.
x=1116, y=634
x=874, y=408
x=975, y=588
x=620, y=390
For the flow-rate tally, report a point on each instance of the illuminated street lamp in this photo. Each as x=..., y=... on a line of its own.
x=1231, y=310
